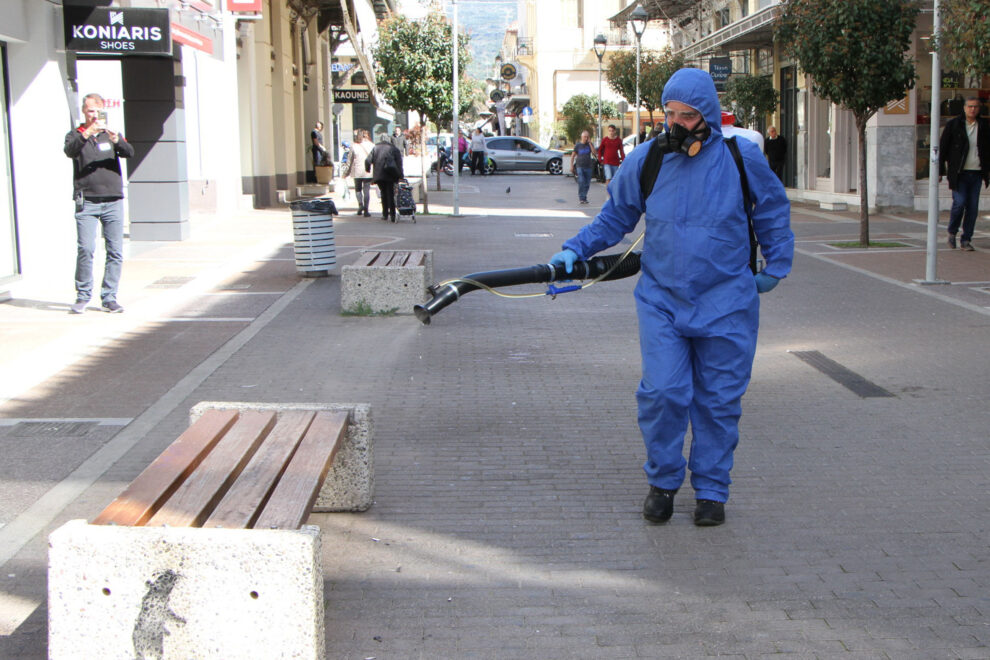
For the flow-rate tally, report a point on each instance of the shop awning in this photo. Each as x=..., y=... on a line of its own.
x=332, y=14
x=657, y=9
x=753, y=31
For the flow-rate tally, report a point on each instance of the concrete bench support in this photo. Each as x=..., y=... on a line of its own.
x=184, y=592
x=350, y=483
x=386, y=281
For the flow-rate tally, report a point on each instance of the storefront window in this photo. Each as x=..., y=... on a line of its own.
x=823, y=162
x=764, y=62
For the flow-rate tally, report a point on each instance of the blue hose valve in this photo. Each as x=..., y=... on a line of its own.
x=552, y=290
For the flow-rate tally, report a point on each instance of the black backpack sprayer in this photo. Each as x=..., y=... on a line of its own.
x=596, y=269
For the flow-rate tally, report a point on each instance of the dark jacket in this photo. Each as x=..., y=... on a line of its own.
x=775, y=149
x=385, y=162
x=954, y=146
x=95, y=163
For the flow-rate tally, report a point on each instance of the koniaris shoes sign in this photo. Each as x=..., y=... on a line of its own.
x=107, y=31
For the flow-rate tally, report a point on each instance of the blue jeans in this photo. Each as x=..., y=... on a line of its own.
x=111, y=216
x=583, y=175
x=965, y=204
x=610, y=171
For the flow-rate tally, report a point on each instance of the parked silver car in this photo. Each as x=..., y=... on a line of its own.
x=518, y=153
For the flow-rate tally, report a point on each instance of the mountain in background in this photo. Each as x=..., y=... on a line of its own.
x=485, y=21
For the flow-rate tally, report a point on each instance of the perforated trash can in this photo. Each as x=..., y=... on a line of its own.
x=313, y=239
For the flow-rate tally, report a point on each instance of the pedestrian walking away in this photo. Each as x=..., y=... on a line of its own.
x=361, y=150
x=385, y=162
x=964, y=156
x=775, y=148
x=696, y=299
x=477, y=152
x=611, y=153
x=98, y=189
x=582, y=165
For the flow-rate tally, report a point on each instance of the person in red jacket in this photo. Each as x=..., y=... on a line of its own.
x=610, y=153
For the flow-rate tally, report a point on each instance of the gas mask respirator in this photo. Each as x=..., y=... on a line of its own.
x=679, y=139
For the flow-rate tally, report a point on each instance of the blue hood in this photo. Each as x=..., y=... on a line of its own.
x=695, y=88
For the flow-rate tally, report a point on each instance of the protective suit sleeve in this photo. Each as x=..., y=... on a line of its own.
x=771, y=212
x=620, y=213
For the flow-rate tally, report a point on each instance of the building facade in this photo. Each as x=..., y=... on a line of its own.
x=554, y=48
x=219, y=121
x=823, y=158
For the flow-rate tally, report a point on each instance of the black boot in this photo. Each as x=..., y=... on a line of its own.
x=659, y=505
x=709, y=513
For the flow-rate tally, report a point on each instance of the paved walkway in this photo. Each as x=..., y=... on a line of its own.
x=507, y=517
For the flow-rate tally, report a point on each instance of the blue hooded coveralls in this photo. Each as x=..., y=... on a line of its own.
x=696, y=297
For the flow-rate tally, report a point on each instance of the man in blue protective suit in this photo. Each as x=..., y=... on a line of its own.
x=697, y=297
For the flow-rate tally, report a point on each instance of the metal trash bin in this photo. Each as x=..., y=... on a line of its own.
x=313, y=239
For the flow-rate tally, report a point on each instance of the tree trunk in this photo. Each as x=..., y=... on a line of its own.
x=424, y=188
x=438, y=161
x=864, y=207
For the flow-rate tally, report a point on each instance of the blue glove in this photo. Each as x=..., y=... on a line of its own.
x=565, y=258
x=765, y=282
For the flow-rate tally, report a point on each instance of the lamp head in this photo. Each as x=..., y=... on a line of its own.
x=639, y=18
x=601, y=43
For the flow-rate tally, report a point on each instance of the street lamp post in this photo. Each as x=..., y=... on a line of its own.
x=638, y=18
x=455, y=142
x=498, y=88
x=600, y=44
x=933, y=163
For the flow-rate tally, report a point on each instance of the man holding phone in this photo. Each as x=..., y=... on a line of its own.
x=98, y=190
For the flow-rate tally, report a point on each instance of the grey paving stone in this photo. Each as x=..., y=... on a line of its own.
x=509, y=476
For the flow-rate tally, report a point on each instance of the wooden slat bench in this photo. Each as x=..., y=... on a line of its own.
x=383, y=281
x=206, y=554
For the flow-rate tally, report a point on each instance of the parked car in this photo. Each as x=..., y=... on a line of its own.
x=509, y=152
x=627, y=144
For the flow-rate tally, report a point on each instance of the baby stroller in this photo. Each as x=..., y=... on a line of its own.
x=404, y=202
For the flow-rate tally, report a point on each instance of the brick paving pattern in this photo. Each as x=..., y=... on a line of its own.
x=508, y=462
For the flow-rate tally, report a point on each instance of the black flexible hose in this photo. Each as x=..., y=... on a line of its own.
x=583, y=270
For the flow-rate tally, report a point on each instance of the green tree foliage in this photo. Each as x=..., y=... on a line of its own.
x=415, y=67
x=655, y=69
x=473, y=99
x=581, y=113
x=856, y=54
x=751, y=97
x=964, y=41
